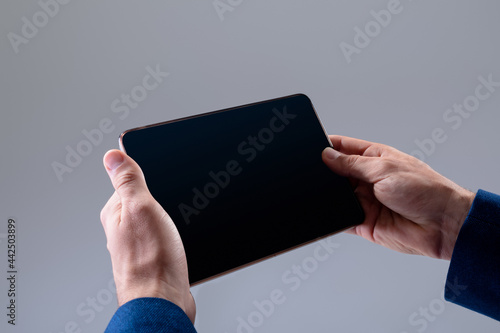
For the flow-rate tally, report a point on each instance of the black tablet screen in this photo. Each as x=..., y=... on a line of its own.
x=244, y=183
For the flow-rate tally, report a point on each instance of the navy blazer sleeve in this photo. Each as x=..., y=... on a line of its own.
x=474, y=275
x=150, y=315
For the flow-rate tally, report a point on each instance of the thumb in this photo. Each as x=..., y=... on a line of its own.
x=125, y=174
x=352, y=166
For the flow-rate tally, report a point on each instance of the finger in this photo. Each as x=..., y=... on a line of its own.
x=353, y=166
x=126, y=175
x=351, y=231
x=112, y=206
x=354, y=146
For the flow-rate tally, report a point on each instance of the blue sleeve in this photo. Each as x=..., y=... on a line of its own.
x=474, y=275
x=148, y=315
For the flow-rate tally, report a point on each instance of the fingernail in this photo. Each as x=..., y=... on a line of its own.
x=331, y=153
x=113, y=160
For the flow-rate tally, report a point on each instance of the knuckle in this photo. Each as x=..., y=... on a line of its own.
x=352, y=161
x=102, y=216
x=125, y=179
x=139, y=208
x=388, y=164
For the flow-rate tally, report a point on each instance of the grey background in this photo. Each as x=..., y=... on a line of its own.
x=395, y=91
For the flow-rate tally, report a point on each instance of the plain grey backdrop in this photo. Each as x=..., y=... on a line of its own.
x=66, y=67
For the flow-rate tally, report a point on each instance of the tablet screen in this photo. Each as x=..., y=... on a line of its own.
x=244, y=183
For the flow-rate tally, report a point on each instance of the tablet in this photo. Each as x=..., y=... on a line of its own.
x=244, y=184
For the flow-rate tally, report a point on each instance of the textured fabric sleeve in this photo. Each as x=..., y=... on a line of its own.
x=474, y=275
x=148, y=315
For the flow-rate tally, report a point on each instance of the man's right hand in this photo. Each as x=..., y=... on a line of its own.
x=146, y=250
x=409, y=207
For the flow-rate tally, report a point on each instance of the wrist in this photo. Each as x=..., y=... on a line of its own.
x=456, y=212
x=130, y=289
